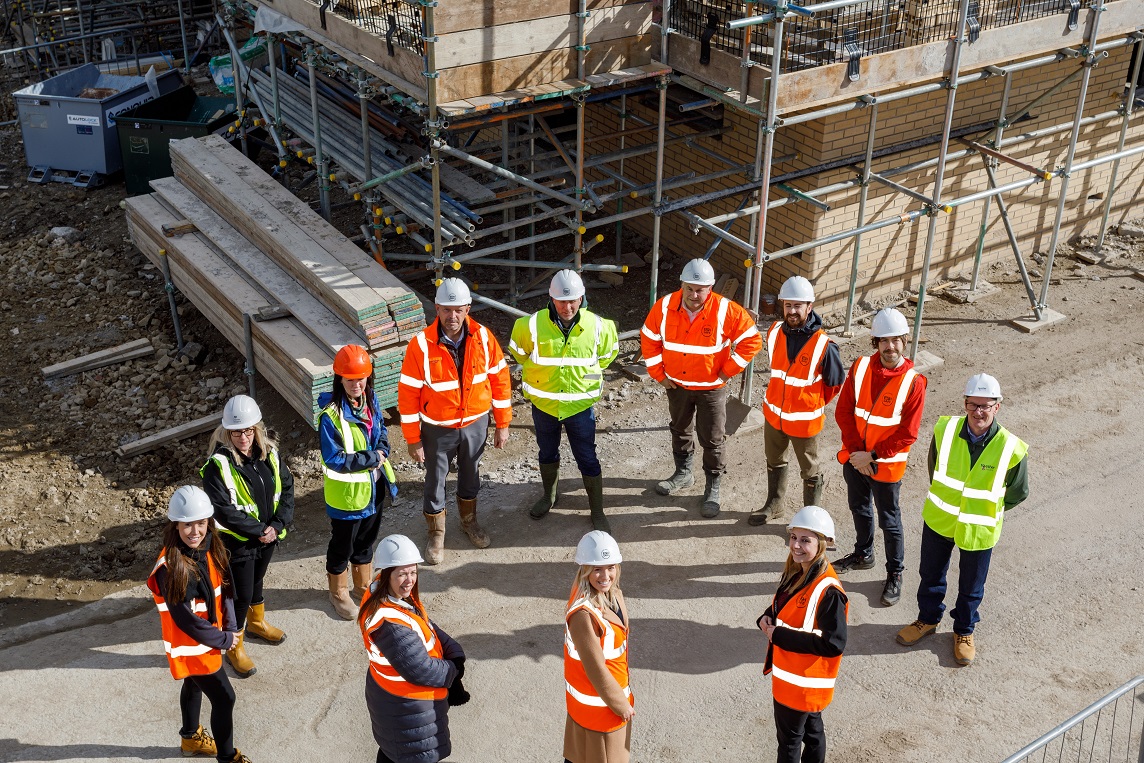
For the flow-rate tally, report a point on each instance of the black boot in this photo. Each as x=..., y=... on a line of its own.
x=710, y=508
x=681, y=478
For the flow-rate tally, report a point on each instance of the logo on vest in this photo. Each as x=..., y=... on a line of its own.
x=887, y=400
x=804, y=360
x=989, y=467
x=707, y=331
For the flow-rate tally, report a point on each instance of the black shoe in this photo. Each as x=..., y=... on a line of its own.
x=854, y=562
x=892, y=590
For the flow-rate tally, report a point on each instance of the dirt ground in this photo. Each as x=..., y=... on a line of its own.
x=78, y=523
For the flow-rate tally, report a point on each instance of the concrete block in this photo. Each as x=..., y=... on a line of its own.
x=926, y=362
x=1089, y=258
x=961, y=292
x=1029, y=324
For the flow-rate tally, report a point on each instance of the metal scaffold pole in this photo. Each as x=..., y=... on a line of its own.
x=319, y=156
x=433, y=128
x=990, y=162
x=661, y=84
x=1129, y=103
x=863, y=195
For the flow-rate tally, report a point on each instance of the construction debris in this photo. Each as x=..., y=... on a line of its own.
x=180, y=432
x=140, y=348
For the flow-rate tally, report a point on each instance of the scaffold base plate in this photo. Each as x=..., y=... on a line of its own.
x=926, y=362
x=1030, y=324
x=962, y=292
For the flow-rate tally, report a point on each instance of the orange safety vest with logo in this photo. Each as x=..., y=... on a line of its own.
x=585, y=706
x=380, y=668
x=186, y=656
x=430, y=390
x=877, y=419
x=805, y=682
x=723, y=337
x=795, y=401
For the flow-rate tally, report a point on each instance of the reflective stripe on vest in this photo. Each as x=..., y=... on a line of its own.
x=574, y=376
x=452, y=385
x=967, y=503
x=185, y=656
x=805, y=682
x=585, y=706
x=795, y=403
x=382, y=669
x=346, y=491
x=878, y=420
x=240, y=494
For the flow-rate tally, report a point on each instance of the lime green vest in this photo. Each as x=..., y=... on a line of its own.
x=964, y=503
x=563, y=377
x=239, y=491
x=346, y=491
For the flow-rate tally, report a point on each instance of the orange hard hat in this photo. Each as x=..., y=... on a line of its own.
x=353, y=362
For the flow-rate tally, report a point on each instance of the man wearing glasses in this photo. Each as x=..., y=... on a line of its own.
x=978, y=470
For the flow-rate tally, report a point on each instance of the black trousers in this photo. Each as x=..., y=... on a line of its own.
x=351, y=541
x=247, y=574
x=801, y=736
x=864, y=494
x=221, y=694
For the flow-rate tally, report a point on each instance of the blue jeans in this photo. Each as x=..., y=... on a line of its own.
x=581, y=430
x=936, y=553
x=864, y=494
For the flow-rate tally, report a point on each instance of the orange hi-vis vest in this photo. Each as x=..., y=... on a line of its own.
x=722, y=338
x=795, y=401
x=585, y=706
x=186, y=656
x=805, y=682
x=429, y=389
x=877, y=419
x=386, y=676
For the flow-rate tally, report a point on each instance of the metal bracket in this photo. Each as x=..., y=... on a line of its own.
x=322, y=12
x=390, y=31
x=853, y=53
x=705, y=39
x=1074, y=14
x=972, y=25
x=584, y=48
x=582, y=15
x=430, y=75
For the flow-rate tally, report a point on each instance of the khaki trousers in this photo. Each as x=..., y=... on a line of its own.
x=775, y=444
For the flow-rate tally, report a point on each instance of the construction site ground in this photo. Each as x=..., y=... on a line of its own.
x=82, y=670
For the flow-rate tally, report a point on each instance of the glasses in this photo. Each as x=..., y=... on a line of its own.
x=248, y=432
x=982, y=407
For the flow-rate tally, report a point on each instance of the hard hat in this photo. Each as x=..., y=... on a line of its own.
x=797, y=289
x=698, y=272
x=189, y=504
x=240, y=412
x=889, y=322
x=598, y=549
x=983, y=385
x=395, y=551
x=566, y=284
x=453, y=293
x=353, y=362
x=813, y=518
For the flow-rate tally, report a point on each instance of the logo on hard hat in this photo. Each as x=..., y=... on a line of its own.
x=605, y=553
x=567, y=290
x=452, y=296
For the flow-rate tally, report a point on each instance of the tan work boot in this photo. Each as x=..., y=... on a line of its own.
x=435, y=548
x=363, y=576
x=242, y=664
x=914, y=632
x=963, y=649
x=257, y=626
x=340, y=596
x=467, y=507
x=239, y=758
x=199, y=743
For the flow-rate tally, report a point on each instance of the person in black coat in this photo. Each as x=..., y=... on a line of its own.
x=415, y=668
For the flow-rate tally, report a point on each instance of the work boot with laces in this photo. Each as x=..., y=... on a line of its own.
x=199, y=743
x=710, y=508
x=963, y=649
x=239, y=758
x=892, y=591
x=854, y=561
x=915, y=632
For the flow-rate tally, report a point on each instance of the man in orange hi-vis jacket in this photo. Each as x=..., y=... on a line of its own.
x=693, y=342
x=453, y=374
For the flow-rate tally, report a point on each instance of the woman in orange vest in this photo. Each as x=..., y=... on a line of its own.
x=192, y=590
x=806, y=630
x=415, y=668
x=599, y=701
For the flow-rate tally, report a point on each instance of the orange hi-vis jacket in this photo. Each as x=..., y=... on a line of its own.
x=805, y=682
x=722, y=338
x=382, y=671
x=796, y=402
x=429, y=389
x=186, y=656
x=585, y=705
x=878, y=419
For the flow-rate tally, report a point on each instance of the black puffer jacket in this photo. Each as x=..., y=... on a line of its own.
x=412, y=730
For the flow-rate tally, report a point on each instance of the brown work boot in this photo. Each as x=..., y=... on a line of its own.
x=242, y=664
x=915, y=632
x=257, y=626
x=239, y=758
x=467, y=507
x=363, y=576
x=199, y=743
x=340, y=596
x=435, y=548
x=963, y=649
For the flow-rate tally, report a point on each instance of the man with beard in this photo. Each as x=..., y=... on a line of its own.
x=806, y=374
x=879, y=412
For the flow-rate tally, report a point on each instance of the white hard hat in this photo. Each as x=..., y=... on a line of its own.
x=598, y=549
x=983, y=385
x=566, y=284
x=889, y=322
x=395, y=551
x=240, y=412
x=797, y=289
x=453, y=293
x=698, y=272
x=815, y=519
x=189, y=504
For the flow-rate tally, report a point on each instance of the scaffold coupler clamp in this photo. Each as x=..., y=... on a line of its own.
x=1074, y=14
x=972, y=25
x=853, y=53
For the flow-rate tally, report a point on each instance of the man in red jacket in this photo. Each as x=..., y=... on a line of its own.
x=879, y=412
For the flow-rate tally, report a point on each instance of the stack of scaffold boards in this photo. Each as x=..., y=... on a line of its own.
x=254, y=249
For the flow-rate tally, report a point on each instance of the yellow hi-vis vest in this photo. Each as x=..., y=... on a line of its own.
x=968, y=503
x=563, y=377
x=346, y=491
x=240, y=492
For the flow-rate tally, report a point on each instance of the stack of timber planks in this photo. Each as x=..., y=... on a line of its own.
x=256, y=247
